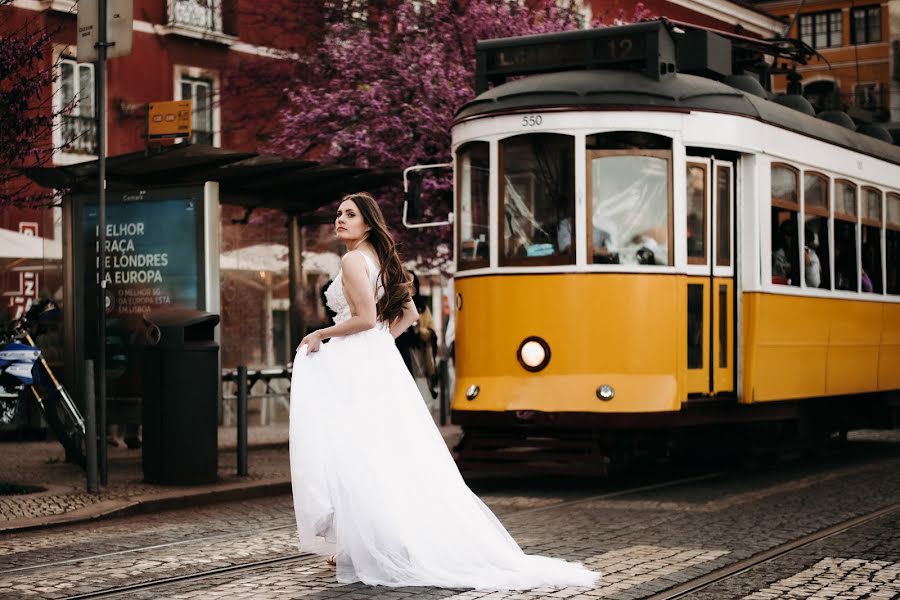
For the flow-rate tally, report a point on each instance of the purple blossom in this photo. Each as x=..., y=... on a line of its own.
x=384, y=96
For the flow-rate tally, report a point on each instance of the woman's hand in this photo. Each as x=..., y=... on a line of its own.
x=312, y=341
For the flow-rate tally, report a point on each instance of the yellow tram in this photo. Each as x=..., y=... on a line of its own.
x=648, y=243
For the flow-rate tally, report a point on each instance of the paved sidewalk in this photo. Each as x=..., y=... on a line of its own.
x=65, y=499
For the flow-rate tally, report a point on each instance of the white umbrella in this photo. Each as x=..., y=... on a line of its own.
x=274, y=259
x=19, y=245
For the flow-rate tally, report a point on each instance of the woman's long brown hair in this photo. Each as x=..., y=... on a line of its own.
x=396, y=281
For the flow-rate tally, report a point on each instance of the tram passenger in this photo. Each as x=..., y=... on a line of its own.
x=782, y=269
x=812, y=267
x=866, y=282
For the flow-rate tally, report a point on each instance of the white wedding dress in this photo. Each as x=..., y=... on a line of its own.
x=374, y=483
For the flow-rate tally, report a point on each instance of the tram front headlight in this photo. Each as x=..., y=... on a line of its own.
x=472, y=392
x=533, y=353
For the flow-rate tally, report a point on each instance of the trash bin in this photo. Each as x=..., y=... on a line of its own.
x=181, y=394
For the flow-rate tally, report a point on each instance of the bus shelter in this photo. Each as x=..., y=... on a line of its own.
x=163, y=230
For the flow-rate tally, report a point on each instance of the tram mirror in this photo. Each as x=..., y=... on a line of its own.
x=414, y=196
x=428, y=195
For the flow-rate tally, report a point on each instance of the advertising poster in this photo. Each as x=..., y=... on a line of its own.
x=151, y=262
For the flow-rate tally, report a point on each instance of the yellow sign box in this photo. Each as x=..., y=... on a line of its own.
x=169, y=119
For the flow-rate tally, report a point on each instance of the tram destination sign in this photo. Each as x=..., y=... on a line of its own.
x=645, y=47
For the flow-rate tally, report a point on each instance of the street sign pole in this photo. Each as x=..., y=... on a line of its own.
x=101, y=251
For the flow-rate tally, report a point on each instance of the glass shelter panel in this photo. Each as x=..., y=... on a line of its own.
x=537, y=189
x=473, y=170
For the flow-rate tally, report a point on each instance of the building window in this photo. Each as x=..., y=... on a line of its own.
x=78, y=127
x=866, y=24
x=822, y=30
x=201, y=92
x=199, y=14
x=867, y=96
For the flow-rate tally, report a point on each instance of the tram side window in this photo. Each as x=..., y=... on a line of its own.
x=845, y=271
x=892, y=243
x=629, y=183
x=537, y=185
x=870, y=241
x=723, y=216
x=473, y=170
x=816, y=259
x=785, y=208
x=696, y=213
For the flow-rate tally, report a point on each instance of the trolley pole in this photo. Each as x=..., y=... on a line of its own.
x=101, y=223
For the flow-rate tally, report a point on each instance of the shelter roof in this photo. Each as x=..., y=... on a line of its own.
x=247, y=179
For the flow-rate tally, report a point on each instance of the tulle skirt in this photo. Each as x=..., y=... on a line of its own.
x=374, y=483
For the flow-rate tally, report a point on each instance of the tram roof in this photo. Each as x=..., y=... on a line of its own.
x=628, y=90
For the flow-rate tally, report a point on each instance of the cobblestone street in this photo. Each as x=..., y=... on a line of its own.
x=647, y=533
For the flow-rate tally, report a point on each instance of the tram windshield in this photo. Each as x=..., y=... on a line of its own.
x=629, y=179
x=538, y=199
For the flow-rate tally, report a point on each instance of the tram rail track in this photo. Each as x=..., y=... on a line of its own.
x=282, y=560
x=700, y=583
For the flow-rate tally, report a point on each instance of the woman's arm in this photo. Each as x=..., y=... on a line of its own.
x=360, y=297
x=410, y=315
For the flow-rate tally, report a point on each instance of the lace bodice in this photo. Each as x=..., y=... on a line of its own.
x=334, y=294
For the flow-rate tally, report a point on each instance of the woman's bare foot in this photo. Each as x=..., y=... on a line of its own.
x=332, y=560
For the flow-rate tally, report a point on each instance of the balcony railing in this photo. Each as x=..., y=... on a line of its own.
x=205, y=15
x=79, y=135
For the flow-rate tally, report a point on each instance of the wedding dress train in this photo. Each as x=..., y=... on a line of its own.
x=374, y=483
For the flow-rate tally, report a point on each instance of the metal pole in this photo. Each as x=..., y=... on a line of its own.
x=444, y=375
x=295, y=279
x=90, y=428
x=101, y=223
x=242, y=393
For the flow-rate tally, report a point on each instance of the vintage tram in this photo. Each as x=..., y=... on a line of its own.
x=649, y=246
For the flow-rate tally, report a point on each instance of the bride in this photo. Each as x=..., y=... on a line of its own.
x=375, y=488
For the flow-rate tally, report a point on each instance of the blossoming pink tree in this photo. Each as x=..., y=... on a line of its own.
x=383, y=95
x=26, y=118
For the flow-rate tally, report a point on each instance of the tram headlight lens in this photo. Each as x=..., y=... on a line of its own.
x=534, y=353
x=472, y=392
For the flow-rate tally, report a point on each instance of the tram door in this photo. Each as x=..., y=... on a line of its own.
x=709, y=285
